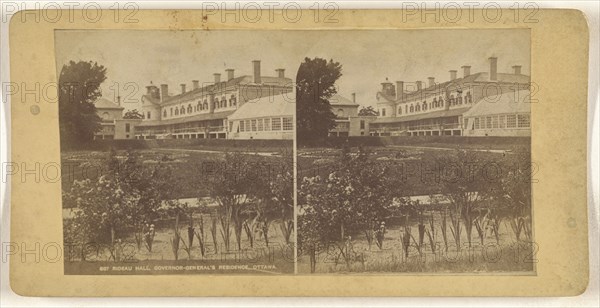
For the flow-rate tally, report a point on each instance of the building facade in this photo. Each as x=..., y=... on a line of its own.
x=439, y=108
x=347, y=121
x=113, y=126
x=203, y=111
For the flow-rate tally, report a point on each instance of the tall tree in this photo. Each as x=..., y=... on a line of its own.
x=79, y=87
x=315, y=85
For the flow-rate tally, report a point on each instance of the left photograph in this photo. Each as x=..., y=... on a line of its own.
x=177, y=153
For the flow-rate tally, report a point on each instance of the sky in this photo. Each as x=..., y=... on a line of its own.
x=134, y=58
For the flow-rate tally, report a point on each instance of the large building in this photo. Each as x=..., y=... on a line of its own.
x=347, y=121
x=203, y=111
x=113, y=126
x=439, y=108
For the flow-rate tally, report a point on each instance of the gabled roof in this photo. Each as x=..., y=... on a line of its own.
x=511, y=102
x=242, y=80
x=268, y=106
x=103, y=103
x=338, y=100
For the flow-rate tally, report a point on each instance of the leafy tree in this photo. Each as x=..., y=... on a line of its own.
x=126, y=196
x=315, y=85
x=133, y=114
x=368, y=111
x=79, y=87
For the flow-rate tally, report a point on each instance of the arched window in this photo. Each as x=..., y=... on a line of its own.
x=412, y=108
x=459, y=99
x=440, y=102
x=340, y=113
x=176, y=111
x=171, y=111
x=435, y=103
x=199, y=106
x=165, y=113
x=406, y=109
x=223, y=102
x=182, y=110
x=400, y=110
x=205, y=105
x=189, y=109
x=233, y=100
x=452, y=100
x=424, y=106
x=418, y=108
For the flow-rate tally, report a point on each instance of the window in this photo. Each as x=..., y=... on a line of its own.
x=182, y=110
x=189, y=109
x=502, y=121
x=468, y=98
x=511, y=121
x=248, y=128
x=233, y=100
x=253, y=125
x=165, y=113
x=276, y=123
x=435, y=103
x=287, y=124
x=223, y=102
x=418, y=108
x=260, y=125
x=362, y=124
x=205, y=105
x=440, y=102
x=412, y=108
x=267, y=124
x=488, y=122
x=176, y=111
x=406, y=109
x=452, y=100
x=495, y=122
x=424, y=106
x=171, y=111
x=128, y=127
x=476, y=123
x=230, y=126
x=523, y=120
x=241, y=126
x=149, y=115
x=400, y=110
x=460, y=100
x=340, y=113
x=383, y=112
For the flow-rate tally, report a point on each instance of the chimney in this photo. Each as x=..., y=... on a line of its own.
x=466, y=70
x=431, y=81
x=419, y=85
x=217, y=77
x=452, y=74
x=256, y=65
x=119, y=101
x=182, y=88
x=517, y=69
x=280, y=72
x=195, y=84
x=354, y=98
x=229, y=73
x=493, y=68
x=164, y=91
x=399, y=89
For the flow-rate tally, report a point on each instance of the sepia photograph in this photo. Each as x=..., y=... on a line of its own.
x=179, y=153
x=414, y=153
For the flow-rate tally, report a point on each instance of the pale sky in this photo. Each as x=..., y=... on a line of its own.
x=137, y=57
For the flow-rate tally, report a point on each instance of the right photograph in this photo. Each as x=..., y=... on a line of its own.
x=413, y=153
